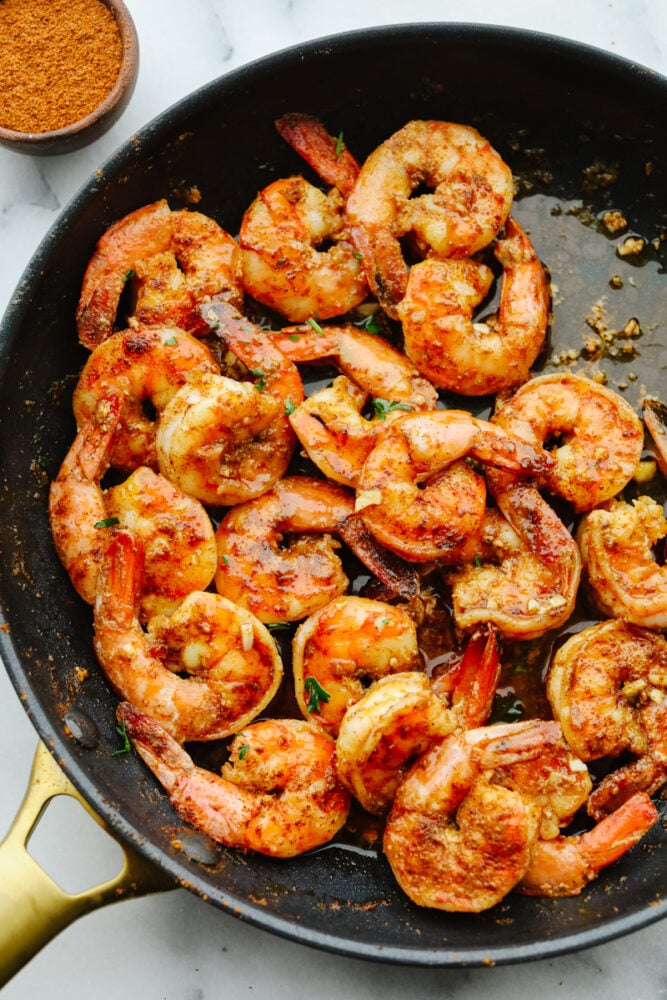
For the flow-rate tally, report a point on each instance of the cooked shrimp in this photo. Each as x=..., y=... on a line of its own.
x=277, y=556
x=342, y=647
x=483, y=357
x=284, y=262
x=326, y=154
x=277, y=794
x=455, y=840
x=172, y=260
x=623, y=577
x=565, y=865
x=77, y=513
x=599, y=437
x=402, y=714
x=471, y=197
x=417, y=499
x=512, y=586
x=607, y=685
x=145, y=367
x=176, y=534
x=233, y=667
x=655, y=418
x=330, y=424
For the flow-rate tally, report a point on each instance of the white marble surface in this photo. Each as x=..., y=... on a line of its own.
x=174, y=945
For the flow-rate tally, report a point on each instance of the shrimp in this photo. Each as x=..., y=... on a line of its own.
x=277, y=556
x=145, y=367
x=277, y=793
x=455, y=840
x=471, y=197
x=599, y=437
x=172, y=259
x=329, y=424
x=565, y=865
x=175, y=530
x=475, y=359
x=232, y=664
x=402, y=714
x=417, y=499
x=340, y=648
x=607, y=685
x=284, y=263
x=327, y=155
x=508, y=584
x=623, y=578
x=655, y=418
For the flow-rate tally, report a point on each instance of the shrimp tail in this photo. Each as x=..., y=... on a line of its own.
x=160, y=752
x=119, y=583
x=399, y=579
x=326, y=154
x=477, y=678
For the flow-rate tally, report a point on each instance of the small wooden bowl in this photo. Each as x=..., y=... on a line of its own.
x=95, y=124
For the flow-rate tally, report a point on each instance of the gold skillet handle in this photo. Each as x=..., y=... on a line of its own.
x=33, y=908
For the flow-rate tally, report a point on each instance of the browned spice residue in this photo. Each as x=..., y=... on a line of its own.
x=58, y=60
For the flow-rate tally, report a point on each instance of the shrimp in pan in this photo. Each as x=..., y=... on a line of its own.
x=340, y=648
x=145, y=368
x=330, y=424
x=175, y=530
x=172, y=260
x=277, y=793
x=401, y=715
x=565, y=865
x=599, y=437
x=607, y=685
x=230, y=660
x=285, y=263
x=623, y=577
x=513, y=586
x=470, y=197
x=415, y=495
x=477, y=358
x=226, y=441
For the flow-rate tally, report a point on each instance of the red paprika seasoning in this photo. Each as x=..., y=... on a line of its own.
x=58, y=61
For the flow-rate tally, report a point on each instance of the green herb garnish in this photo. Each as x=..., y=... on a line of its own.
x=243, y=750
x=127, y=746
x=108, y=522
x=316, y=694
x=260, y=375
x=339, y=144
x=290, y=407
x=384, y=406
x=316, y=326
x=170, y=342
x=368, y=323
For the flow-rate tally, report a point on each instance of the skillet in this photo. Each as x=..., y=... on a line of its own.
x=584, y=133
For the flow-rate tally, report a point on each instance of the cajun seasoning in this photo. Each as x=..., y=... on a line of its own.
x=58, y=61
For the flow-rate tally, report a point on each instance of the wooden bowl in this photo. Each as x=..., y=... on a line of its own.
x=95, y=124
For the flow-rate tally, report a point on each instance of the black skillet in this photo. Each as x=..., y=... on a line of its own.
x=584, y=133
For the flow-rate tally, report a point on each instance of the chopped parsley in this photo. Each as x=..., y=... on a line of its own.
x=316, y=326
x=368, y=323
x=260, y=375
x=170, y=342
x=339, y=144
x=127, y=746
x=107, y=522
x=243, y=750
x=290, y=407
x=382, y=407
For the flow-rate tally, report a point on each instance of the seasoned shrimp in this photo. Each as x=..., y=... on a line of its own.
x=277, y=556
x=330, y=424
x=607, y=685
x=523, y=594
x=172, y=259
x=471, y=197
x=455, y=840
x=327, y=155
x=342, y=647
x=174, y=529
x=599, y=437
x=232, y=664
x=145, y=367
x=623, y=578
x=417, y=499
x=483, y=357
x=277, y=794
x=565, y=865
x=402, y=714
x=284, y=262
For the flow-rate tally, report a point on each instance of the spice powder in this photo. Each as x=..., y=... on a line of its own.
x=58, y=61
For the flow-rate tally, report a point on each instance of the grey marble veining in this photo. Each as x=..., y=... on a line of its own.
x=174, y=946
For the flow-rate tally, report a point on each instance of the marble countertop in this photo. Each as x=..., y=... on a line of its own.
x=173, y=945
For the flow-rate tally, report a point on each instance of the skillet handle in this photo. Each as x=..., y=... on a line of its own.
x=33, y=908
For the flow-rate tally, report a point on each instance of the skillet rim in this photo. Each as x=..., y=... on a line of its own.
x=380, y=36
